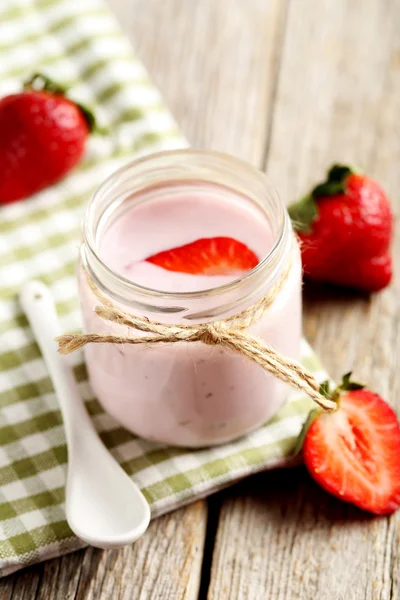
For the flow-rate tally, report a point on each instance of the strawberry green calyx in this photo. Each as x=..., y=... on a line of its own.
x=345, y=386
x=335, y=183
x=41, y=83
x=326, y=390
x=305, y=211
x=312, y=415
x=89, y=117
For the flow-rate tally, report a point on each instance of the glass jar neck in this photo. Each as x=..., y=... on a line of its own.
x=186, y=168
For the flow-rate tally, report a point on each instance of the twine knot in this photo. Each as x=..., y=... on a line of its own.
x=212, y=334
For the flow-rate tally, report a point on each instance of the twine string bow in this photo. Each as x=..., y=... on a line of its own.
x=231, y=333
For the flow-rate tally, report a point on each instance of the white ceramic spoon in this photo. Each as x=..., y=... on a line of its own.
x=103, y=505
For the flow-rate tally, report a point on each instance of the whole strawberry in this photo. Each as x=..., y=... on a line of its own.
x=42, y=137
x=345, y=225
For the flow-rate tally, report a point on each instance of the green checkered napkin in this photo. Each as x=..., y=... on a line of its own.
x=79, y=43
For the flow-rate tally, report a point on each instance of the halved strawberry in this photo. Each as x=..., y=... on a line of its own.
x=208, y=256
x=354, y=452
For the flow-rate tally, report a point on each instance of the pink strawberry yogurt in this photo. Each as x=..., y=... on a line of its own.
x=187, y=394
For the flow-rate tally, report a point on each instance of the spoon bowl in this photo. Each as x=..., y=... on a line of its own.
x=102, y=509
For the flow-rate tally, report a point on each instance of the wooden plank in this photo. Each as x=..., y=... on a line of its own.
x=216, y=65
x=164, y=564
x=338, y=98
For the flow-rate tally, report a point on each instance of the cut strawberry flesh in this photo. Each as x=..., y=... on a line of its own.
x=354, y=453
x=208, y=256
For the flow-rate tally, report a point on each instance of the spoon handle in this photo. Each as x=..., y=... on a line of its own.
x=38, y=305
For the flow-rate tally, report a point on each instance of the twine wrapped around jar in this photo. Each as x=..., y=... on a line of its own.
x=229, y=333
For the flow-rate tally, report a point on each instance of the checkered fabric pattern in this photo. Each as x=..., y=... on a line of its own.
x=79, y=43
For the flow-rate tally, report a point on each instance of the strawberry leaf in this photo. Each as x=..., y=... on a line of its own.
x=312, y=415
x=324, y=389
x=335, y=183
x=329, y=188
x=303, y=213
x=347, y=385
x=340, y=172
x=42, y=83
x=89, y=117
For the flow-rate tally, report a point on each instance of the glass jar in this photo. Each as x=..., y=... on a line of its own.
x=189, y=394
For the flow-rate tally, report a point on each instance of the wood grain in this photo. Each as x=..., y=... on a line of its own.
x=283, y=538
x=216, y=65
x=338, y=96
x=164, y=564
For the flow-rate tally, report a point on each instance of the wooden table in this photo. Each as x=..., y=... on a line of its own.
x=290, y=86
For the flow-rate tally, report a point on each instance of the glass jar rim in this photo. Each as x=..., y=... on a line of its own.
x=160, y=164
